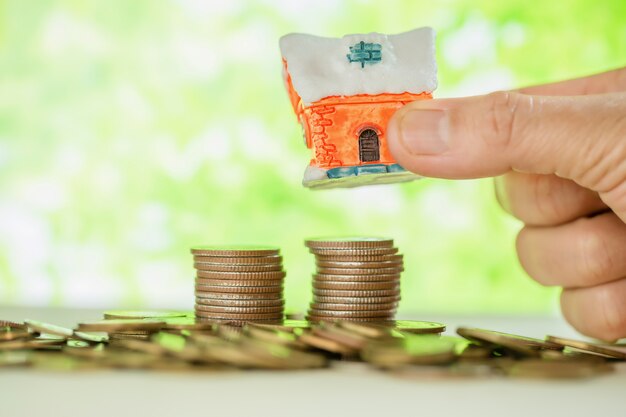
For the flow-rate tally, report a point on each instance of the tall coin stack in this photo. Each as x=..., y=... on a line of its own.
x=357, y=279
x=236, y=285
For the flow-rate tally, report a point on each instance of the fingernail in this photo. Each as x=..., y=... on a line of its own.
x=424, y=132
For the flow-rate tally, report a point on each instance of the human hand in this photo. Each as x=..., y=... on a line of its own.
x=559, y=152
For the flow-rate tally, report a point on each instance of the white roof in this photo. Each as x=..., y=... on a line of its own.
x=319, y=67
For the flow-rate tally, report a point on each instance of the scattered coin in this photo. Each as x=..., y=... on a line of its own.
x=41, y=327
x=325, y=344
x=140, y=314
x=117, y=325
x=91, y=337
x=414, y=350
x=520, y=344
x=417, y=327
x=536, y=368
x=15, y=335
x=607, y=350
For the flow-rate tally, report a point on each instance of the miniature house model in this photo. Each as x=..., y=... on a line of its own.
x=345, y=90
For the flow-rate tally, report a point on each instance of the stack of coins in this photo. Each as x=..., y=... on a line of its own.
x=237, y=285
x=357, y=279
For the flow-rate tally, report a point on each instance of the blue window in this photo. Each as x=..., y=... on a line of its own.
x=365, y=53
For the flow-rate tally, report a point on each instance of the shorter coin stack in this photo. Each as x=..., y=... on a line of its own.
x=357, y=279
x=237, y=285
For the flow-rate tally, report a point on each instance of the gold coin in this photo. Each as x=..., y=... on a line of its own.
x=537, y=368
x=316, y=319
x=241, y=260
x=612, y=351
x=240, y=276
x=239, y=316
x=211, y=267
x=186, y=323
x=338, y=314
x=15, y=335
x=238, y=323
x=358, y=265
x=11, y=324
x=353, y=307
x=235, y=251
x=91, y=337
x=236, y=283
x=325, y=344
x=139, y=314
x=356, y=293
x=286, y=325
x=352, y=278
x=276, y=289
x=343, y=285
x=348, y=243
x=353, y=252
x=359, y=258
x=418, y=327
x=117, y=325
x=238, y=296
x=357, y=278
x=520, y=344
x=340, y=335
x=359, y=271
x=41, y=327
x=217, y=302
x=356, y=300
x=411, y=350
x=118, y=336
x=241, y=310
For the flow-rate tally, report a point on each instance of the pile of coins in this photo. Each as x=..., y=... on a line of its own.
x=357, y=279
x=404, y=348
x=240, y=284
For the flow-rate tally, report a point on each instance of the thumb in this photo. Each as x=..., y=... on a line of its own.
x=582, y=138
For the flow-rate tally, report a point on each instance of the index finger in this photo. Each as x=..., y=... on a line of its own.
x=606, y=82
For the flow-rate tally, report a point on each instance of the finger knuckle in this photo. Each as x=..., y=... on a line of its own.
x=596, y=261
x=503, y=111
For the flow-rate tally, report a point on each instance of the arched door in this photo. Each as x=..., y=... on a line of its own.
x=369, y=146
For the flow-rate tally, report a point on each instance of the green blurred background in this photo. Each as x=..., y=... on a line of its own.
x=130, y=130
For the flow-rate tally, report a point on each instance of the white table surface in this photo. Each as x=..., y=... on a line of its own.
x=344, y=390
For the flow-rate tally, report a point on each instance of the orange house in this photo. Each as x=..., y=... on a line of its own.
x=345, y=90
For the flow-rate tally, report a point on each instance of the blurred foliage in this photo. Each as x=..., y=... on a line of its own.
x=131, y=130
